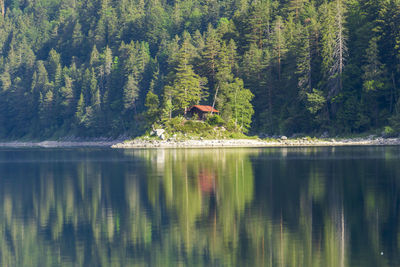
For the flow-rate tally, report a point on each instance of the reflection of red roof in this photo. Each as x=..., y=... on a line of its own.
x=207, y=181
x=204, y=108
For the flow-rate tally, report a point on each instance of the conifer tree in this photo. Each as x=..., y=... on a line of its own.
x=153, y=107
x=131, y=93
x=233, y=100
x=259, y=22
x=296, y=6
x=54, y=65
x=340, y=49
x=376, y=82
x=334, y=46
x=187, y=87
x=278, y=43
x=328, y=37
x=80, y=109
x=210, y=53
x=242, y=109
x=5, y=80
x=67, y=97
x=94, y=58
x=46, y=108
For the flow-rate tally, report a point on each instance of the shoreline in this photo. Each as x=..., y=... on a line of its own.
x=205, y=143
x=57, y=144
x=226, y=143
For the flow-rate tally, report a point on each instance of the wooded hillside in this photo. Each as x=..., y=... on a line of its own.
x=111, y=67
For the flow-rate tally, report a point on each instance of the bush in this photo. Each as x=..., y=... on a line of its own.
x=389, y=132
x=232, y=127
x=215, y=120
x=175, y=124
x=197, y=127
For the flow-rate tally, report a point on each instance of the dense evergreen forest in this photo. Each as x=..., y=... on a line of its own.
x=112, y=67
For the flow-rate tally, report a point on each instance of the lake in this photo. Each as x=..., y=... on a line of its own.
x=216, y=207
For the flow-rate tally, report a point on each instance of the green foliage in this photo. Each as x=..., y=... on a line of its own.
x=174, y=124
x=395, y=122
x=215, y=120
x=316, y=101
x=276, y=67
x=389, y=131
x=214, y=127
x=187, y=87
x=153, y=107
x=131, y=93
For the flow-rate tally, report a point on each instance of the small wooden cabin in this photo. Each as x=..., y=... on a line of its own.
x=201, y=111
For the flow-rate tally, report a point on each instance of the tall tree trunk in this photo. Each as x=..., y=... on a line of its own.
x=2, y=8
x=215, y=98
x=341, y=44
x=339, y=54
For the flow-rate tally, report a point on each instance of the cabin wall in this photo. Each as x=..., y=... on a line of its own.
x=200, y=114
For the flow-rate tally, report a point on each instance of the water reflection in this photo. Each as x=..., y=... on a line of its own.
x=229, y=207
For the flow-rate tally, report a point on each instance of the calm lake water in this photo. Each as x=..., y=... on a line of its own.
x=216, y=207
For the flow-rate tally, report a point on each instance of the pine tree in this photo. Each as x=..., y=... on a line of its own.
x=242, y=109
x=167, y=107
x=328, y=37
x=304, y=66
x=375, y=75
x=258, y=22
x=257, y=74
x=307, y=50
x=58, y=77
x=80, y=109
x=46, y=108
x=210, y=53
x=105, y=69
x=67, y=97
x=41, y=76
x=152, y=104
x=233, y=56
x=94, y=58
x=296, y=6
x=340, y=49
x=233, y=100
x=198, y=41
x=87, y=80
x=278, y=44
x=187, y=87
x=94, y=92
x=5, y=80
x=75, y=44
x=107, y=61
x=53, y=65
x=131, y=93
x=334, y=46
x=376, y=82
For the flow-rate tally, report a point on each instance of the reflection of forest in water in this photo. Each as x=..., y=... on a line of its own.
x=254, y=207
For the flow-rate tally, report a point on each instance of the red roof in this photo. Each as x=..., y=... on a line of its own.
x=204, y=108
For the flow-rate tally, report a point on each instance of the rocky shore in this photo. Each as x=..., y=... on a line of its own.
x=207, y=143
x=57, y=144
x=281, y=142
